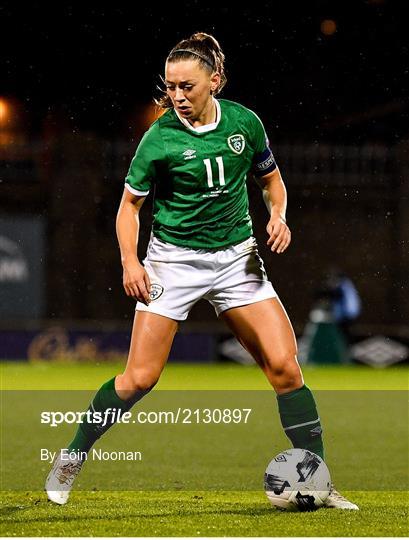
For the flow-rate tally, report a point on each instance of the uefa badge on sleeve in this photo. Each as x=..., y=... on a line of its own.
x=237, y=143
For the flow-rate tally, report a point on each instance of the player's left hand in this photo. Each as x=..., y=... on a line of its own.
x=279, y=234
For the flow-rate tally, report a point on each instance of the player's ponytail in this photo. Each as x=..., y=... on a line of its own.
x=206, y=50
x=213, y=51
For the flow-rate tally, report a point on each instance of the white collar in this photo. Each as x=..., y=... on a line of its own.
x=206, y=127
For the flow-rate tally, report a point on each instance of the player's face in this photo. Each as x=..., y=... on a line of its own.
x=189, y=86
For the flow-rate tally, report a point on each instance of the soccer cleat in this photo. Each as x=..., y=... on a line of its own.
x=336, y=500
x=61, y=478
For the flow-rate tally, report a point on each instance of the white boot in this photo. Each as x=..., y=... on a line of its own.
x=61, y=478
x=336, y=500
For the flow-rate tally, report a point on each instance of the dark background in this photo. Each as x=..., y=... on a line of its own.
x=80, y=80
x=96, y=64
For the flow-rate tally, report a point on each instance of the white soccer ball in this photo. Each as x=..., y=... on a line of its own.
x=297, y=480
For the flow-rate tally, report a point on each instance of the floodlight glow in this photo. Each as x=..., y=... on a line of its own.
x=4, y=111
x=328, y=27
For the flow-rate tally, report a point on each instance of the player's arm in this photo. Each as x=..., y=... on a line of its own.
x=275, y=197
x=135, y=278
x=274, y=193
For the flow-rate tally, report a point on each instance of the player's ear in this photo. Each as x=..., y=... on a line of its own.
x=215, y=82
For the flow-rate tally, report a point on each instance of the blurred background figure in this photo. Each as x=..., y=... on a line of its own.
x=342, y=299
x=327, y=334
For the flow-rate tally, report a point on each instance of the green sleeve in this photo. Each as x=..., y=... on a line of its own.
x=260, y=139
x=263, y=159
x=144, y=165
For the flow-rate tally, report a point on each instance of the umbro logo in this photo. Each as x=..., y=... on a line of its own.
x=189, y=154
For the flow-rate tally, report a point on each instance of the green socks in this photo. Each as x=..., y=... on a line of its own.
x=300, y=420
x=109, y=405
x=297, y=410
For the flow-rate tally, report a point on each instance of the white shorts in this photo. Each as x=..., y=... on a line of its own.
x=228, y=277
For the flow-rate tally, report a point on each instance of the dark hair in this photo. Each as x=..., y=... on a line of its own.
x=206, y=50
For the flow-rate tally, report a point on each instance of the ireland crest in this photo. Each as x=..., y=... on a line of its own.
x=237, y=143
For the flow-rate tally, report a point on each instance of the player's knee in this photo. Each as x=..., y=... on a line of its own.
x=139, y=380
x=286, y=374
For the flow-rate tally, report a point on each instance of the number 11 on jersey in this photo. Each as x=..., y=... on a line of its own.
x=208, y=164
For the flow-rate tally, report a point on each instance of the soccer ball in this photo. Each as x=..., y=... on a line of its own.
x=297, y=480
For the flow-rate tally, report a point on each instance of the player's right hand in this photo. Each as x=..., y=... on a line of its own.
x=136, y=281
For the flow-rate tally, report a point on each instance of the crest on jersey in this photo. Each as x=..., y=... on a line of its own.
x=237, y=143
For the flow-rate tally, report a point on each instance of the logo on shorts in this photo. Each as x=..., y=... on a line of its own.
x=237, y=143
x=156, y=291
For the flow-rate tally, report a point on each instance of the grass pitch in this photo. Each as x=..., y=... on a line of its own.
x=196, y=514
x=199, y=512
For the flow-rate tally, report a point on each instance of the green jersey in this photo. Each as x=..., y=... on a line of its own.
x=199, y=175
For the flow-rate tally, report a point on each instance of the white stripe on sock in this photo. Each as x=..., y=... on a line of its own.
x=301, y=425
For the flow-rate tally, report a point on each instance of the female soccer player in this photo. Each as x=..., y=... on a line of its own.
x=197, y=156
